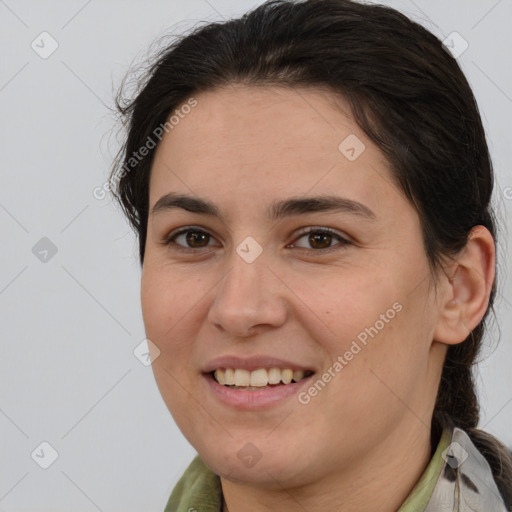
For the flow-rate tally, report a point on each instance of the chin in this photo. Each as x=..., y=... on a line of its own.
x=272, y=471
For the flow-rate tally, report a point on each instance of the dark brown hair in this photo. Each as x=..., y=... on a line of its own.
x=406, y=92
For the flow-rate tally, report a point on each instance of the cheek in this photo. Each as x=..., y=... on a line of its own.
x=169, y=303
x=384, y=349
x=368, y=321
x=349, y=305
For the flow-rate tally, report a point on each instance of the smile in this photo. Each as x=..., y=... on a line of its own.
x=239, y=378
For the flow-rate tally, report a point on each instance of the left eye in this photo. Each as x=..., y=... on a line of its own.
x=314, y=239
x=320, y=239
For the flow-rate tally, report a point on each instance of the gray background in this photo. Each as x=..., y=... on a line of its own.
x=71, y=320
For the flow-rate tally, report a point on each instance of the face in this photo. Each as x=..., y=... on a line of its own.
x=294, y=252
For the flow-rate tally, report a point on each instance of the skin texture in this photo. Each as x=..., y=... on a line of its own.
x=243, y=148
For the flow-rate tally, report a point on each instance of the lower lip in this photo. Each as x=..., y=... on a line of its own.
x=266, y=398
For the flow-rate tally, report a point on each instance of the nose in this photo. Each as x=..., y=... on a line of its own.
x=248, y=300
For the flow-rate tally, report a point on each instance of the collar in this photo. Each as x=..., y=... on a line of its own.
x=457, y=479
x=465, y=483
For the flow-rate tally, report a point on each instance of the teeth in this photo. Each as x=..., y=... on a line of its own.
x=220, y=376
x=287, y=376
x=274, y=376
x=298, y=375
x=229, y=377
x=242, y=377
x=258, y=378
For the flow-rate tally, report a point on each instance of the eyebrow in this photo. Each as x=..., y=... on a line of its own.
x=277, y=210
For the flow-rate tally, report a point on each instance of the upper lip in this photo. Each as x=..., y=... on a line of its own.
x=252, y=363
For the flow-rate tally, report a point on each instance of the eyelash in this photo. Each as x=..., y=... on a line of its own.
x=169, y=240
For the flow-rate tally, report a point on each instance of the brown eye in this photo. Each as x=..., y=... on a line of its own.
x=189, y=239
x=197, y=238
x=320, y=240
x=317, y=239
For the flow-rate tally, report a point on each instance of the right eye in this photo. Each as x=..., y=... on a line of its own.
x=188, y=239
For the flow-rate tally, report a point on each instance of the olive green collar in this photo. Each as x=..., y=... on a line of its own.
x=457, y=477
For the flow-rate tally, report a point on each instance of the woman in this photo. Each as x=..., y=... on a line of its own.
x=310, y=185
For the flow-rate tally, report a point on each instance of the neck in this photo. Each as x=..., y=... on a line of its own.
x=380, y=482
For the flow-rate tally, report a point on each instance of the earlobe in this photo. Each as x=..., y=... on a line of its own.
x=467, y=288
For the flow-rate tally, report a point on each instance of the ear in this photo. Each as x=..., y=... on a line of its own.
x=466, y=288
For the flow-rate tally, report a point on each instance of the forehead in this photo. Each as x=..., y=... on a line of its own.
x=245, y=117
x=268, y=141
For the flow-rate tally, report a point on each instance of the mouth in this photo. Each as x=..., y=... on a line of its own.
x=257, y=380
